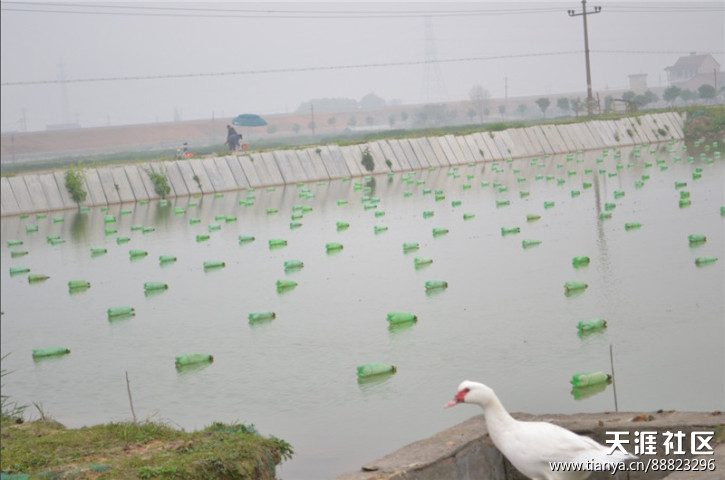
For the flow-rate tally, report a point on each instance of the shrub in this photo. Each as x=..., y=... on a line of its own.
x=367, y=160
x=160, y=181
x=74, y=178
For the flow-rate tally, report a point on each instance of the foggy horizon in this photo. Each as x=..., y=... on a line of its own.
x=100, y=63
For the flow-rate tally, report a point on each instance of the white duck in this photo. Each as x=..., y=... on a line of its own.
x=530, y=446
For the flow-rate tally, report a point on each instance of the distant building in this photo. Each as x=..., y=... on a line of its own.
x=638, y=82
x=693, y=71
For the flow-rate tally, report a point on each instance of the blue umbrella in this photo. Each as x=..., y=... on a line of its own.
x=249, y=120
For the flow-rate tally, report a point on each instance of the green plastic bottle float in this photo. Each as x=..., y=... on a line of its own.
x=377, y=368
x=532, y=217
x=95, y=251
x=167, y=258
x=509, y=230
x=401, y=317
x=439, y=231
x=120, y=311
x=261, y=316
x=18, y=270
x=50, y=352
x=78, y=284
x=591, y=324
x=151, y=286
x=31, y=228
x=696, y=239
x=135, y=253
x=705, y=260
x=333, y=246
x=202, y=237
x=632, y=226
x=410, y=246
x=293, y=264
x=18, y=253
x=421, y=261
x=436, y=284
x=283, y=285
x=277, y=242
x=37, y=277
x=15, y=243
x=342, y=226
x=122, y=240
x=193, y=359
x=213, y=264
x=245, y=238
x=589, y=378
x=580, y=261
x=528, y=243
x=574, y=286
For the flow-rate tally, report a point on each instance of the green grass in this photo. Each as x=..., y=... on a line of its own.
x=47, y=449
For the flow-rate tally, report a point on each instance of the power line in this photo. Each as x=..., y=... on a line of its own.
x=175, y=11
x=284, y=70
x=135, y=10
x=343, y=67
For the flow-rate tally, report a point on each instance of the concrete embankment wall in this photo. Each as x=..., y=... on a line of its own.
x=112, y=184
x=466, y=452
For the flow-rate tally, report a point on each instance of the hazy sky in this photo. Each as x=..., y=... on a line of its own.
x=222, y=59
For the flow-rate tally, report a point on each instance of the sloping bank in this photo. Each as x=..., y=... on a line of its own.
x=465, y=452
x=113, y=184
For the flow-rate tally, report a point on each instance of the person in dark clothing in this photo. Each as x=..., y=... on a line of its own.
x=233, y=138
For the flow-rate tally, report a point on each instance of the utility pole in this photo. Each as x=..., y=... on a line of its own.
x=584, y=13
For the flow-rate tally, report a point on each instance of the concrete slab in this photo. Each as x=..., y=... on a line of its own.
x=109, y=185
x=554, y=139
x=187, y=175
x=334, y=163
x=466, y=451
x=135, y=179
x=456, y=157
x=52, y=193
x=9, y=203
x=228, y=182
x=177, y=182
x=353, y=157
x=433, y=160
x=488, y=154
x=235, y=169
x=476, y=152
x=400, y=159
x=572, y=137
x=423, y=161
x=37, y=194
x=505, y=153
x=253, y=164
x=215, y=178
x=22, y=195
x=505, y=137
x=198, y=168
x=674, y=121
x=60, y=181
x=468, y=155
x=565, y=133
x=379, y=157
x=603, y=133
x=524, y=148
x=268, y=170
x=123, y=186
x=290, y=166
x=438, y=152
x=317, y=166
x=415, y=162
x=94, y=190
x=651, y=127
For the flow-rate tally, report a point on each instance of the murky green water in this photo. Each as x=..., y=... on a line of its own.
x=503, y=320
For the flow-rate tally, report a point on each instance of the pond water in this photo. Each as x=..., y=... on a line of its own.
x=504, y=318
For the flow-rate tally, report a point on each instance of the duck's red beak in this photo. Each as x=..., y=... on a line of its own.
x=459, y=398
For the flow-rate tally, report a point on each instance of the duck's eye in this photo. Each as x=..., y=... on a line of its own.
x=466, y=389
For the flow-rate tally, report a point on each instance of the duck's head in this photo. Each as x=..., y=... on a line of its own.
x=472, y=392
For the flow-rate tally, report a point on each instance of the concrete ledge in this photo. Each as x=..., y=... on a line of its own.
x=105, y=185
x=466, y=452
